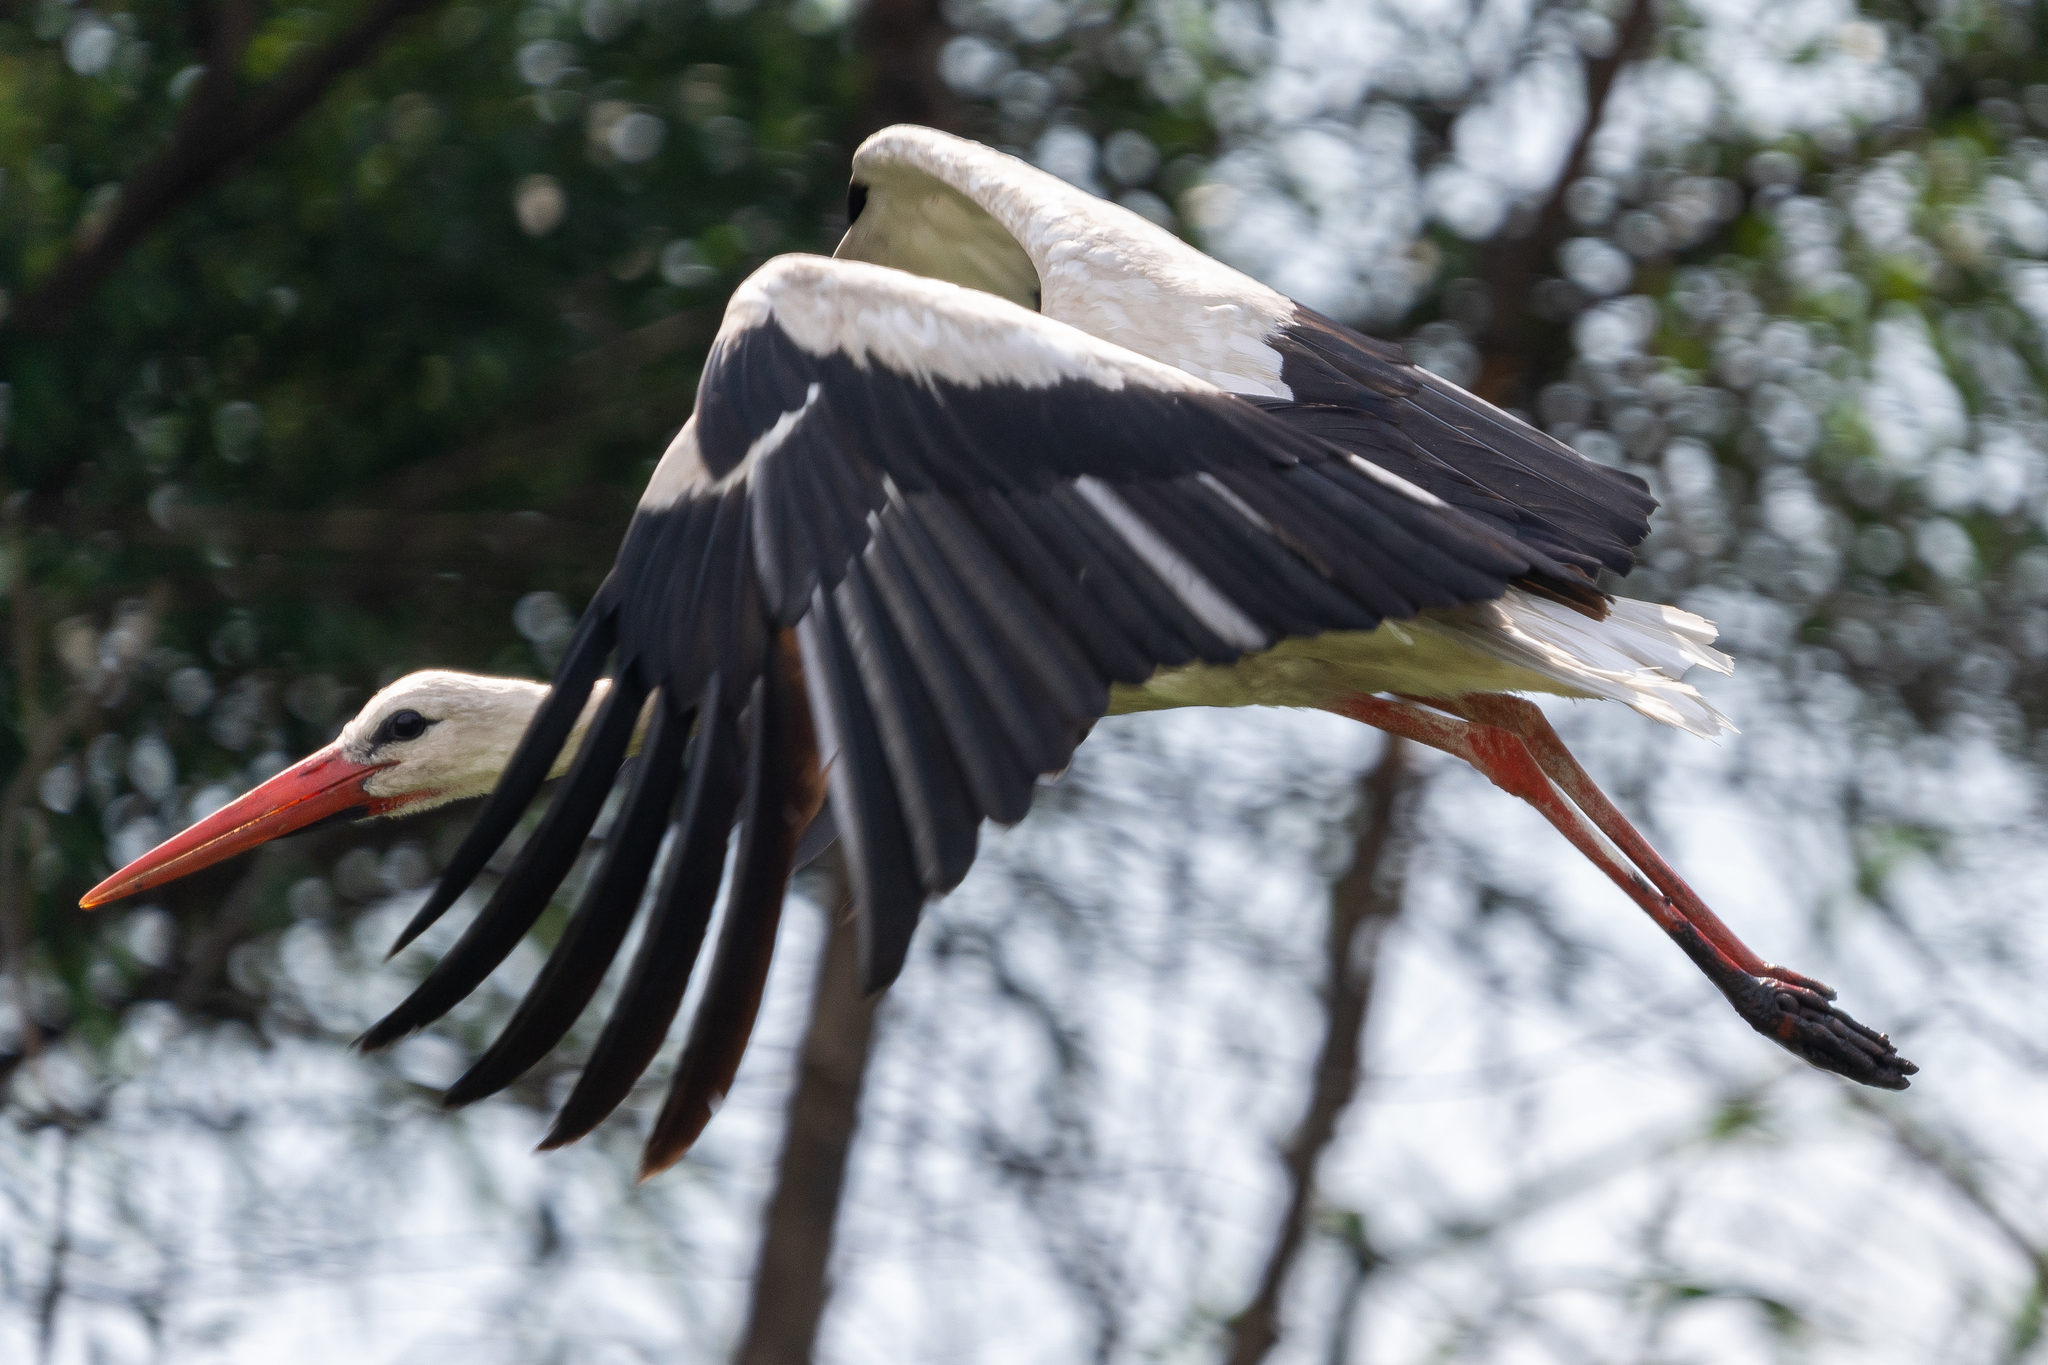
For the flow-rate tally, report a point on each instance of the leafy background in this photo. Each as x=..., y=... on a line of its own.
x=337, y=341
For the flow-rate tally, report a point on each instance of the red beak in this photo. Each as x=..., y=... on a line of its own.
x=322, y=786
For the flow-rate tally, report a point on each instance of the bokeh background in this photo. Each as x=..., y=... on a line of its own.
x=335, y=341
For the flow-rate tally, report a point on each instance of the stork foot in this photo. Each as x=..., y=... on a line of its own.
x=1508, y=739
x=1808, y=1026
x=1799, y=1018
x=1773, y=972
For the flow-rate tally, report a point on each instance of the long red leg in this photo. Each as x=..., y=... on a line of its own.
x=1524, y=756
x=1511, y=767
x=1526, y=721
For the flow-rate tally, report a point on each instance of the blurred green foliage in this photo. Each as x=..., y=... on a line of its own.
x=389, y=385
x=403, y=370
x=381, y=395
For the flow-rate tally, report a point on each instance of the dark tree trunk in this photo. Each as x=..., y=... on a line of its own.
x=791, y=1281
x=1363, y=905
x=900, y=42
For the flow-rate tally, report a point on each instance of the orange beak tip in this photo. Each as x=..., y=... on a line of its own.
x=112, y=889
x=323, y=786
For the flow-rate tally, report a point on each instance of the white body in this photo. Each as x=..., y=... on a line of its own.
x=1016, y=276
x=954, y=211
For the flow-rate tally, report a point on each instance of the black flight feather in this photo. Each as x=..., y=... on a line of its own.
x=1060, y=590
x=786, y=547
x=1435, y=572
x=1598, y=512
x=531, y=881
x=582, y=661
x=936, y=805
x=698, y=630
x=1153, y=636
x=1273, y=562
x=780, y=754
x=846, y=477
x=1068, y=681
x=591, y=938
x=1163, y=506
x=880, y=863
x=1000, y=781
x=1376, y=548
x=1159, y=599
x=654, y=985
x=836, y=533
x=1326, y=532
x=998, y=675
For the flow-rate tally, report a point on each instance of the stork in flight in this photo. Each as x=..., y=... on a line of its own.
x=1012, y=459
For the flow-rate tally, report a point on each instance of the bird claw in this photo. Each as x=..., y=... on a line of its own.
x=1795, y=1012
x=1774, y=972
x=1804, y=1023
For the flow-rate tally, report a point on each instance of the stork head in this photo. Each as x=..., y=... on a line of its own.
x=433, y=737
x=427, y=739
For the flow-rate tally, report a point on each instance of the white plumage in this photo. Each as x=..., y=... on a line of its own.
x=1016, y=459
x=1203, y=328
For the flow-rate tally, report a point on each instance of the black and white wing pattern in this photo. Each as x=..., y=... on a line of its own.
x=1366, y=396
x=944, y=206
x=913, y=532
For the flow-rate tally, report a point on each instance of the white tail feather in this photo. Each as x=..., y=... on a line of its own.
x=1637, y=656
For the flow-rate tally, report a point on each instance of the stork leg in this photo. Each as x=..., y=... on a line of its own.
x=1509, y=740
x=1526, y=721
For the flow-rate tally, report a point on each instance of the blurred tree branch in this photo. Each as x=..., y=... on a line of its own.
x=1364, y=903
x=900, y=40
x=791, y=1282
x=43, y=738
x=1512, y=266
x=52, y=1296
x=219, y=127
x=593, y=373
x=397, y=545
x=1960, y=1173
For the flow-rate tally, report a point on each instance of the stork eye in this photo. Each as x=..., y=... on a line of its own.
x=406, y=725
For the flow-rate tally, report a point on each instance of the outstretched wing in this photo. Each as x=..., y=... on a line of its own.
x=1367, y=397
x=943, y=206
x=919, y=531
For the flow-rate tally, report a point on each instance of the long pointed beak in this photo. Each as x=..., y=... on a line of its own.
x=322, y=786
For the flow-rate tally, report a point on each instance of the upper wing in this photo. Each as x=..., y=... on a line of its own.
x=1367, y=397
x=918, y=530
x=947, y=207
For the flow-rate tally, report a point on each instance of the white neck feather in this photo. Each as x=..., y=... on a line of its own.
x=1102, y=268
x=475, y=724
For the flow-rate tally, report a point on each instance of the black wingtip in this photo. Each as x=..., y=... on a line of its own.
x=599, y=924
x=784, y=791
x=381, y=1035
x=882, y=957
x=470, y=1087
x=422, y=920
x=555, y=719
x=654, y=986
x=880, y=863
x=887, y=924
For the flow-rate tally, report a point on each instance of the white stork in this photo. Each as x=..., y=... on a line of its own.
x=1013, y=459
